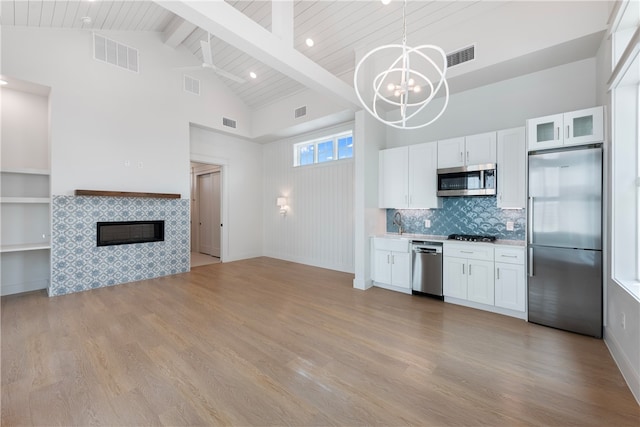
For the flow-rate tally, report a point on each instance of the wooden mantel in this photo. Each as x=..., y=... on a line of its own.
x=126, y=194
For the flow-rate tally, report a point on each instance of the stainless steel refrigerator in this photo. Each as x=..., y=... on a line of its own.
x=565, y=239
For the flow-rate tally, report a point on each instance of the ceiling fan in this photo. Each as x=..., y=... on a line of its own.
x=207, y=62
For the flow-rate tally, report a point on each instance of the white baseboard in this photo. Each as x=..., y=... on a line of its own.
x=499, y=310
x=361, y=284
x=18, y=288
x=629, y=374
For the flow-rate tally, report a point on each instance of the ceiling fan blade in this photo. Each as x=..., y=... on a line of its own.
x=228, y=75
x=207, y=57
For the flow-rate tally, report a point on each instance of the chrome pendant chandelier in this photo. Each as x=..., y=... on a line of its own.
x=400, y=91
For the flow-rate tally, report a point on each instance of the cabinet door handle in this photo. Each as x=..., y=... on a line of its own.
x=498, y=273
x=393, y=259
x=509, y=256
x=467, y=156
x=388, y=258
x=463, y=269
x=461, y=156
x=558, y=133
x=469, y=269
x=567, y=131
x=466, y=252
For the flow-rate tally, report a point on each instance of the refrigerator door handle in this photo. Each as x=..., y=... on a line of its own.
x=530, y=225
x=530, y=262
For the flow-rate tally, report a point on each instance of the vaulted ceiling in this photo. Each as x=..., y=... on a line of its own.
x=338, y=28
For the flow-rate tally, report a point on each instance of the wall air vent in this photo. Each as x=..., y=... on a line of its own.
x=463, y=55
x=300, y=112
x=191, y=85
x=114, y=53
x=228, y=122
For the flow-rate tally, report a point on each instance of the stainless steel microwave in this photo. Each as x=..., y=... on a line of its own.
x=475, y=180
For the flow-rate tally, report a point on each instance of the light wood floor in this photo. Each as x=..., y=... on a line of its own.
x=268, y=342
x=198, y=259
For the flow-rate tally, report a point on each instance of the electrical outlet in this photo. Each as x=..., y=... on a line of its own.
x=427, y=223
x=623, y=321
x=127, y=163
x=510, y=225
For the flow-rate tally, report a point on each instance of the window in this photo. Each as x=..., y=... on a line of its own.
x=625, y=131
x=326, y=149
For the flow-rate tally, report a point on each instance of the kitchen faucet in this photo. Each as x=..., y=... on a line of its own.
x=397, y=220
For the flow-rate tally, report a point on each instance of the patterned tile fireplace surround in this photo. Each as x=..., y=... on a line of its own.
x=78, y=264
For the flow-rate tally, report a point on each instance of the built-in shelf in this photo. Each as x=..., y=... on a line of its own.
x=25, y=200
x=126, y=194
x=27, y=171
x=25, y=247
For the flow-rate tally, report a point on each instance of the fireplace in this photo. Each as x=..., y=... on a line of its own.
x=129, y=232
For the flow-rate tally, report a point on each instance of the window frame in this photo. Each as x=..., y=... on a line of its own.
x=624, y=87
x=333, y=138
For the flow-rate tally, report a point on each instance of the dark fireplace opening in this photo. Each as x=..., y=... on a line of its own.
x=129, y=232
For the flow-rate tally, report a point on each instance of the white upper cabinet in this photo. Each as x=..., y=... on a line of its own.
x=573, y=128
x=393, y=178
x=451, y=153
x=470, y=150
x=511, y=164
x=408, y=177
x=480, y=149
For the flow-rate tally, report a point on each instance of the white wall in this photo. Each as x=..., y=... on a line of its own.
x=241, y=162
x=370, y=220
x=319, y=226
x=508, y=103
x=277, y=120
x=103, y=116
x=25, y=130
x=623, y=342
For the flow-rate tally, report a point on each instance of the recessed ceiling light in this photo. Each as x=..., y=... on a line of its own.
x=2, y=83
x=86, y=20
x=386, y=2
x=253, y=75
x=309, y=42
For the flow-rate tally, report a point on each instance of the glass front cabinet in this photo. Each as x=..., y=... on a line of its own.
x=573, y=128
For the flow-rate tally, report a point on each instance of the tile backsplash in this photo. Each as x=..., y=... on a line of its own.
x=462, y=215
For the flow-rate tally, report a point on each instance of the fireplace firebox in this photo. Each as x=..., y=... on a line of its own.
x=129, y=232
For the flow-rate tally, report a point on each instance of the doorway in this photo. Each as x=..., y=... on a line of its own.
x=206, y=210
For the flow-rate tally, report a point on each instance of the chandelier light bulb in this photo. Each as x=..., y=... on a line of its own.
x=417, y=89
x=397, y=93
x=391, y=87
x=411, y=82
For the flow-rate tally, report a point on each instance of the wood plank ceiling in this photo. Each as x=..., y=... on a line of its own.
x=337, y=27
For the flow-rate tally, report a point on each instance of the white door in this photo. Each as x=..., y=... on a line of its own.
x=451, y=153
x=454, y=279
x=215, y=215
x=393, y=178
x=205, y=213
x=480, y=149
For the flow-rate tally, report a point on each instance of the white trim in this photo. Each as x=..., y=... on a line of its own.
x=626, y=60
x=224, y=198
x=631, y=377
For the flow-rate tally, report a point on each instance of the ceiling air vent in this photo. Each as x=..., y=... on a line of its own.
x=114, y=53
x=191, y=85
x=228, y=122
x=463, y=55
x=300, y=112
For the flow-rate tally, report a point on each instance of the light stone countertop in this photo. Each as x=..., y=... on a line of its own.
x=436, y=238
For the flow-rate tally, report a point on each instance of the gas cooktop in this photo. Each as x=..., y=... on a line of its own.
x=472, y=238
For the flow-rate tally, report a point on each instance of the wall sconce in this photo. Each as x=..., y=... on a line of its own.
x=281, y=202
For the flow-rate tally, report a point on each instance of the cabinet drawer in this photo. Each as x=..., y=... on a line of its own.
x=510, y=255
x=395, y=245
x=470, y=251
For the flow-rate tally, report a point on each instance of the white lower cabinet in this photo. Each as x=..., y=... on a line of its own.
x=510, y=286
x=485, y=276
x=471, y=277
x=391, y=263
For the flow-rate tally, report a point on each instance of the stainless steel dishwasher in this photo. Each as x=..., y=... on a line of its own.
x=426, y=268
